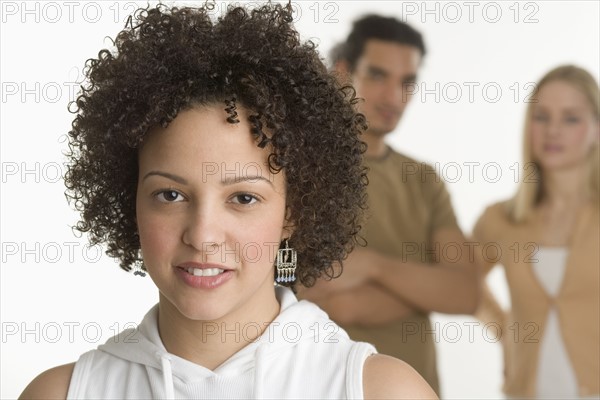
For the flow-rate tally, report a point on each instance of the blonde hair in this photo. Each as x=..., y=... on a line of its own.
x=530, y=187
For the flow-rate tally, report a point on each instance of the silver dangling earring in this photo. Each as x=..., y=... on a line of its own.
x=138, y=266
x=286, y=264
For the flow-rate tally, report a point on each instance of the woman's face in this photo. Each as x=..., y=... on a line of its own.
x=563, y=127
x=210, y=214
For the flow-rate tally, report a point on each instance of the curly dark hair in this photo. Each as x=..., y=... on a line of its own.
x=170, y=59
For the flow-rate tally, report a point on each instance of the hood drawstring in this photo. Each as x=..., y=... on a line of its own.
x=259, y=373
x=165, y=360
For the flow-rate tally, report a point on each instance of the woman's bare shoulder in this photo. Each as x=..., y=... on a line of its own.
x=50, y=384
x=385, y=377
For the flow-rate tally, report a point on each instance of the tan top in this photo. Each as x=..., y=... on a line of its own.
x=408, y=201
x=577, y=303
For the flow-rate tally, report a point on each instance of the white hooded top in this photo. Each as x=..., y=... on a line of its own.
x=301, y=354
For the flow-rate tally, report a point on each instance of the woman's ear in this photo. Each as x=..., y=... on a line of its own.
x=288, y=225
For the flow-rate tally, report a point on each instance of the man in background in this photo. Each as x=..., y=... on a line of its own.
x=416, y=260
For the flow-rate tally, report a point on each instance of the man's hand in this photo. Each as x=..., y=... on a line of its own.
x=366, y=305
x=361, y=266
x=358, y=269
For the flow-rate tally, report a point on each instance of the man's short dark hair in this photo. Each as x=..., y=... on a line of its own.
x=376, y=27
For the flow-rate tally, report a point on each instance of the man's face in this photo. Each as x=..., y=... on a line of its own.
x=384, y=76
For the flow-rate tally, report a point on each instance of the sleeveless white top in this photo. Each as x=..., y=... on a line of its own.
x=556, y=377
x=302, y=354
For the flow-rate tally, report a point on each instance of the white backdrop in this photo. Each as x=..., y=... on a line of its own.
x=60, y=297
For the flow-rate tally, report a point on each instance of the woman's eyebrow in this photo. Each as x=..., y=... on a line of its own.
x=167, y=175
x=538, y=107
x=231, y=180
x=228, y=180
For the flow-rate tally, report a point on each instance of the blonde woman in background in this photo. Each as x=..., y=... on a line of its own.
x=547, y=240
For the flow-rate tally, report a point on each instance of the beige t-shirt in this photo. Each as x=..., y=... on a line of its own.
x=408, y=201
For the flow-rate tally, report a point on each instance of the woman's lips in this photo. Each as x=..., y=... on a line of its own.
x=552, y=148
x=204, y=271
x=203, y=276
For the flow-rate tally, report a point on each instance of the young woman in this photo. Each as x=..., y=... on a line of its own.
x=547, y=239
x=220, y=157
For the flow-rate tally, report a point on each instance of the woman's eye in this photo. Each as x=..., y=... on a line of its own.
x=572, y=120
x=540, y=117
x=376, y=76
x=244, y=199
x=169, y=196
